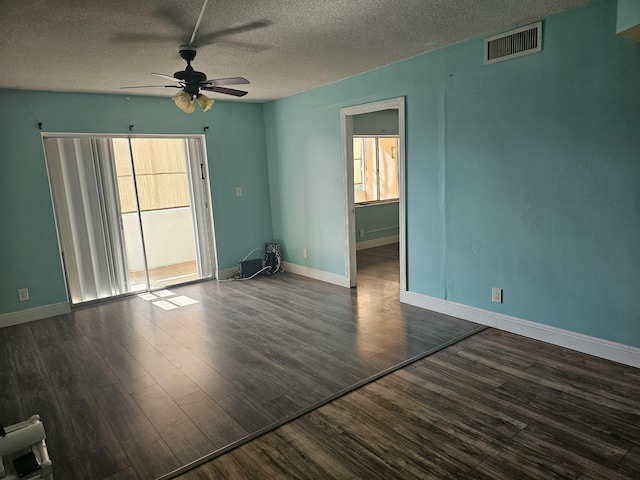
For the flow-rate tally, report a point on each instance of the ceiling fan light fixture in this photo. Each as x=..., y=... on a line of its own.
x=184, y=102
x=205, y=102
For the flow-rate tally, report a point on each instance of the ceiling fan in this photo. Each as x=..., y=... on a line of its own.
x=191, y=82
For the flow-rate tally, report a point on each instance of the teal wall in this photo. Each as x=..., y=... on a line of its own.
x=377, y=221
x=521, y=175
x=29, y=255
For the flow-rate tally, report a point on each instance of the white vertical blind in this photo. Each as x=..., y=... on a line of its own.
x=85, y=198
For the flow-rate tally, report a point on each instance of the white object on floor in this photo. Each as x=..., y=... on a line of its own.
x=21, y=438
x=182, y=301
x=165, y=305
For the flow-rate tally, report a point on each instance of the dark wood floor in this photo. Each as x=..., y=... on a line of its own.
x=127, y=390
x=494, y=406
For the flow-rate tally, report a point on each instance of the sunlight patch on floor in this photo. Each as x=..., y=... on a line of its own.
x=168, y=300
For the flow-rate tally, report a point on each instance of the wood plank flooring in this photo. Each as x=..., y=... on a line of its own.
x=493, y=406
x=128, y=390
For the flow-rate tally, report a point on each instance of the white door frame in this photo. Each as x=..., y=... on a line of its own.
x=346, y=127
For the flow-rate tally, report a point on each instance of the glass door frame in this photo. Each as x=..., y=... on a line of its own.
x=203, y=172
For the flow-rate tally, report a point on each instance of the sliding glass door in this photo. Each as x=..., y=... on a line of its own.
x=132, y=212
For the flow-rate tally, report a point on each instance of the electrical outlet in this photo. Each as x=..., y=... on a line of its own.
x=23, y=294
x=496, y=295
x=238, y=191
x=361, y=233
x=305, y=254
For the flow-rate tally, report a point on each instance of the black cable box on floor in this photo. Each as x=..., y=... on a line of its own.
x=248, y=268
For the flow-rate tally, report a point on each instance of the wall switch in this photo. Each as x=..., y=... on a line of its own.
x=361, y=233
x=305, y=254
x=496, y=295
x=23, y=294
x=238, y=191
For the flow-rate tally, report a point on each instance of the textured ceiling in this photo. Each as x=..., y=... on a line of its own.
x=101, y=45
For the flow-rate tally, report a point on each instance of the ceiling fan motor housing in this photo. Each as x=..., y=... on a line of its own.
x=191, y=78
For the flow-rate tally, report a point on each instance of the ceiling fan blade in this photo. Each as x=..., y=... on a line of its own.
x=167, y=77
x=155, y=86
x=226, y=91
x=226, y=81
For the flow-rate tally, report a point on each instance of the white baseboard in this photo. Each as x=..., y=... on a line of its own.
x=226, y=273
x=616, y=352
x=333, y=278
x=377, y=242
x=31, y=314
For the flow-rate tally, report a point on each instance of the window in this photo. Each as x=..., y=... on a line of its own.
x=161, y=174
x=375, y=169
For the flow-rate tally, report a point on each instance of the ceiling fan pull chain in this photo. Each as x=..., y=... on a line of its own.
x=193, y=36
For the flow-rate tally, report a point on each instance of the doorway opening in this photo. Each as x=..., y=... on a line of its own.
x=132, y=213
x=374, y=134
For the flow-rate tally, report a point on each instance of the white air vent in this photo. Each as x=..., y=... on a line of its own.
x=516, y=43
